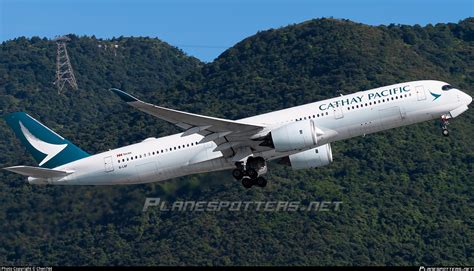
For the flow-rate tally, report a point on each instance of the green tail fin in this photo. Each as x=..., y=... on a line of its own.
x=49, y=149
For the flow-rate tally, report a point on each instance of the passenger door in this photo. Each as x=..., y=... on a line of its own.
x=108, y=164
x=420, y=93
x=338, y=113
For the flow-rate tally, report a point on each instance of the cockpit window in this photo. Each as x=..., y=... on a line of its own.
x=447, y=87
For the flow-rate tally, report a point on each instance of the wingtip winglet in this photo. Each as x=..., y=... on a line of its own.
x=124, y=95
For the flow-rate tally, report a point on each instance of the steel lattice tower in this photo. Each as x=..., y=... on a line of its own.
x=64, y=72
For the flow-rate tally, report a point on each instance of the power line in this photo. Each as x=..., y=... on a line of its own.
x=202, y=46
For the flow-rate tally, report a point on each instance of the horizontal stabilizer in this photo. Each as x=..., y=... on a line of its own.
x=38, y=172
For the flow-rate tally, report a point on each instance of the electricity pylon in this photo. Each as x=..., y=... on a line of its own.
x=64, y=72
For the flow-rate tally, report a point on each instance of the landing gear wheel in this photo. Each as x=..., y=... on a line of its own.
x=444, y=125
x=261, y=182
x=247, y=182
x=238, y=174
x=252, y=173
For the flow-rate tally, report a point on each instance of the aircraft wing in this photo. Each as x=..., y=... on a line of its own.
x=38, y=172
x=227, y=134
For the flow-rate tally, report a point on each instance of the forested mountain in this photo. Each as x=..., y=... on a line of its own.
x=407, y=193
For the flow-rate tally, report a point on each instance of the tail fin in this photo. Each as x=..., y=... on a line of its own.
x=49, y=149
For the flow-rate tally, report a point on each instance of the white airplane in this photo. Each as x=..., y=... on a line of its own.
x=299, y=136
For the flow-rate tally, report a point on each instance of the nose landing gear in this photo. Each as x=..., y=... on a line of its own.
x=444, y=125
x=250, y=172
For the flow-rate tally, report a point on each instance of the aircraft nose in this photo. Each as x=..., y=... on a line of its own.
x=466, y=98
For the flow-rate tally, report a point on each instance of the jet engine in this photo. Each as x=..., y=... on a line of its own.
x=293, y=136
x=312, y=158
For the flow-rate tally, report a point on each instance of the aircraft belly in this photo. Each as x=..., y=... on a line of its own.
x=146, y=171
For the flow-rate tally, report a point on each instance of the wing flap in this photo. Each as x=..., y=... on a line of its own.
x=38, y=172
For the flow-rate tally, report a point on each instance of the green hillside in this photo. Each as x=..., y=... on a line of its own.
x=407, y=193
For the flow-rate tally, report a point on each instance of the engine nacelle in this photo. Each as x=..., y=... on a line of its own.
x=313, y=158
x=294, y=136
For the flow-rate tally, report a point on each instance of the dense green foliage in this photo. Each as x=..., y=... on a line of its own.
x=407, y=193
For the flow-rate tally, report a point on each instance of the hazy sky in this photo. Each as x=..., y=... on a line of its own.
x=205, y=28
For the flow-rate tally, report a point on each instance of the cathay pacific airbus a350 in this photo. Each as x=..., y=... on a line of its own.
x=299, y=136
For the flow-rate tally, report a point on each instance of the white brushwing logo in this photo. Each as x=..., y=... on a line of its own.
x=49, y=149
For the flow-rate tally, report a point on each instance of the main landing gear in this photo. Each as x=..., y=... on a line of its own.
x=444, y=125
x=250, y=172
